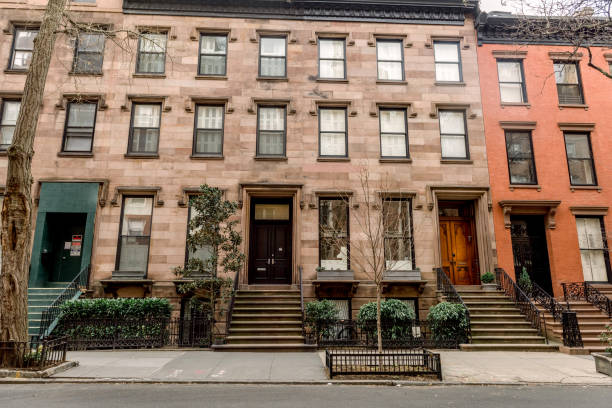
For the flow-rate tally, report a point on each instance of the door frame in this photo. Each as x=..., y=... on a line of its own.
x=471, y=221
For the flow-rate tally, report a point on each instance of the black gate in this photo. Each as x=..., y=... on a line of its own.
x=530, y=250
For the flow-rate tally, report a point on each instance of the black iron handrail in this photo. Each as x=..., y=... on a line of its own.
x=571, y=330
x=552, y=305
x=72, y=291
x=522, y=301
x=301, y=270
x=450, y=293
x=230, y=309
x=586, y=291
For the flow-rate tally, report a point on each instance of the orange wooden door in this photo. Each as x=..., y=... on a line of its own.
x=446, y=245
x=456, y=244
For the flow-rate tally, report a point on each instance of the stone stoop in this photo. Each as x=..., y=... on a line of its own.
x=39, y=300
x=497, y=324
x=591, y=320
x=605, y=288
x=266, y=320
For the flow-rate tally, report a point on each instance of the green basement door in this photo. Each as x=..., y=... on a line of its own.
x=64, y=232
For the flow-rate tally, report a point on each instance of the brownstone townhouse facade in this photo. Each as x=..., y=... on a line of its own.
x=281, y=105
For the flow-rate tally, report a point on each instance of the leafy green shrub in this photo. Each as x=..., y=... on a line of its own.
x=524, y=281
x=449, y=321
x=606, y=339
x=487, y=277
x=320, y=314
x=396, y=318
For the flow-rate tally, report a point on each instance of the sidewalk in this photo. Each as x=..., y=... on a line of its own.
x=193, y=366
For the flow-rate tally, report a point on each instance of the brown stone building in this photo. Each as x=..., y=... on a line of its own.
x=281, y=104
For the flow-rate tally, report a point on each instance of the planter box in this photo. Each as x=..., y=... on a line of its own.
x=603, y=363
x=335, y=275
x=392, y=275
x=489, y=287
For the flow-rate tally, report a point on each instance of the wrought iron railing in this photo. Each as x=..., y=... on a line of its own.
x=300, y=271
x=450, y=293
x=571, y=329
x=230, y=309
x=586, y=291
x=35, y=354
x=522, y=301
x=73, y=291
x=552, y=305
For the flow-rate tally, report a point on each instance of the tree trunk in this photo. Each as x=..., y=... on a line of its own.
x=378, y=322
x=17, y=209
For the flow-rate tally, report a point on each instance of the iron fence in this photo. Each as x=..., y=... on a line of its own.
x=586, y=291
x=571, y=330
x=389, y=362
x=34, y=354
x=450, y=293
x=89, y=334
x=351, y=334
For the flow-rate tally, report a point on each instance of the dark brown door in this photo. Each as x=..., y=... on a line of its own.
x=457, y=245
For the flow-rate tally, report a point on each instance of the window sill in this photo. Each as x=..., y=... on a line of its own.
x=270, y=158
x=333, y=159
x=213, y=77
x=206, y=157
x=391, y=82
x=86, y=74
x=443, y=83
x=74, y=154
x=272, y=79
x=574, y=188
x=512, y=104
x=158, y=76
x=3, y=153
x=395, y=160
x=332, y=80
x=512, y=187
x=141, y=156
x=574, y=105
x=456, y=161
x=16, y=71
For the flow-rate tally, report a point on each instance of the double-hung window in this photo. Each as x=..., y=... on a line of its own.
x=134, y=236
x=88, y=53
x=332, y=62
x=8, y=121
x=204, y=252
x=511, y=81
x=23, y=45
x=334, y=238
x=80, y=124
x=569, y=88
x=390, y=57
x=521, y=164
x=144, y=133
x=213, y=55
x=448, y=61
x=208, y=139
x=396, y=213
x=580, y=159
x=273, y=57
x=332, y=132
x=593, y=249
x=453, y=135
x=151, y=53
x=271, y=131
x=393, y=133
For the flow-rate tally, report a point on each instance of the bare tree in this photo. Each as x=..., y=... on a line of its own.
x=382, y=240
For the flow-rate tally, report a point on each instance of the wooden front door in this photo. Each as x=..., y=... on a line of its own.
x=270, y=244
x=457, y=245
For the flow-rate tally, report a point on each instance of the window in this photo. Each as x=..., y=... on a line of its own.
x=393, y=134
x=332, y=132
x=511, y=82
x=334, y=234
x=521, y=164
x=23, y=45
x=135, y=235
x=205, y=252
x=208, y=140
x=453, y=135
x=80, y=123
x=144, y=134
x=332, y=64
x=272, y=57
x=397, y=221
x=8, y=121
x=88, y=53
x=569, y=89
x=580, y=159
x=151, y=53
x=390, y=60
x=271, y=133
x=593, y=249
x=448, y=61
x=213, y=55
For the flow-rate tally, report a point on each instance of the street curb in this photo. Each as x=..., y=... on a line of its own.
x=17, y=373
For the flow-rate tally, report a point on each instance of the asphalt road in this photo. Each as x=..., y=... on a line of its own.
x=272, y=396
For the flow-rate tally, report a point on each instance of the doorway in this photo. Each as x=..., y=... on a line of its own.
x=458, y=242
x=270, y=247
x=530, y=250
x=62, y=252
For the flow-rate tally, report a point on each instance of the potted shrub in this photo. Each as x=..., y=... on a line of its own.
x=488, y=281
x=524, y=282
x=603, y=361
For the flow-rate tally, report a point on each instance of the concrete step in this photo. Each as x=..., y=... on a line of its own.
x=264, y=339
x=509, y=347
x=508, y=340
x=275, y=348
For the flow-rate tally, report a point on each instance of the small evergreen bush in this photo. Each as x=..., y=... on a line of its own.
x=396, y=318
x=524, y=282
x=448, y=321
x=320, y=314
x=487, y=277
x=606, y=339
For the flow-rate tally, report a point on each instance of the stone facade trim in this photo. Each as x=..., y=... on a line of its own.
x=102, y=192
x=255, y=102
x=589, y=210
x=565, y=56
x=409, y=106
x=82, y=97
x=549, y=208
x=437, y=106
x=137, y=190
x=430, y=40
x=195, y=34
x=513, y=54
x=171, y=31
x=388, y=36
x=11, y=95
x=9, y=29
x=193, y=100
x=129, y=99
x=314, y=37
x=576, y=127
x=518, y=125
x=331, y=103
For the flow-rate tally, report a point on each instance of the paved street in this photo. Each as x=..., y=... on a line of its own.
x=238, y=396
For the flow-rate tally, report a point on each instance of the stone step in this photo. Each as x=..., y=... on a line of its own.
x=275, y=348
x=477, y=311
x=264, y=339
x=270, y=304
x=504, y=332
x=488, y=303
x=267, y=310
x=255, y=293
x=268, y=316
x=508, y=340
x=495, y=296
x=263, y=324
x=514, y=317
x=509, y=347
x=266, y=331
x=481, y=293
x=500, y=324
